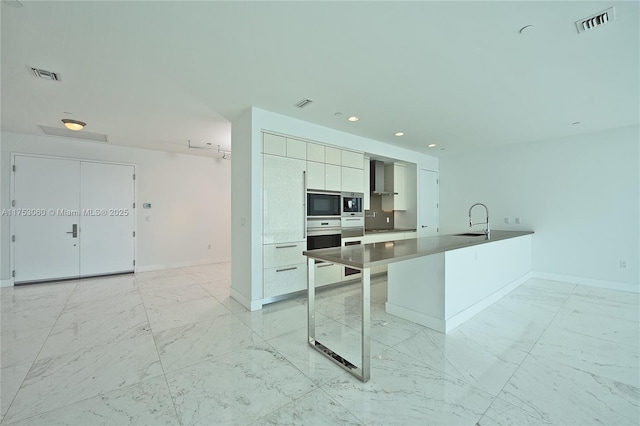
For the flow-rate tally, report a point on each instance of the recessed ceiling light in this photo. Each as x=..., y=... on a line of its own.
x=353, y=118
x=73, y=124
x=399, y=134
x=527, y=29
x=432, y=145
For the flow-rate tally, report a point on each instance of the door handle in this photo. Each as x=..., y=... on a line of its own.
x=74, y=230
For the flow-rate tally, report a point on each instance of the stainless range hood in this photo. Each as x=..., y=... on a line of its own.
x=377, y=179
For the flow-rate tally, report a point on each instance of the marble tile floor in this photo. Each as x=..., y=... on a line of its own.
x=171, y=347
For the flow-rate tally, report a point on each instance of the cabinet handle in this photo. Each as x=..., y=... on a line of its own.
x=291, y=246
x=325, y=265
x=424, y=226
x=353, y=219
x=304, y=204
x=286, y=269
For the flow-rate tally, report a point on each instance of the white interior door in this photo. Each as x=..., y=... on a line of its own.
x=428, y=225
x=47, y=203
x=107, y=224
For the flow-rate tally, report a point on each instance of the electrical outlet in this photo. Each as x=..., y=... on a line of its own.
x=623, y=264
x=506, y=220
x=517, y=221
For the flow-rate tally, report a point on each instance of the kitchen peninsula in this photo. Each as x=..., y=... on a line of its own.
x=439, y=282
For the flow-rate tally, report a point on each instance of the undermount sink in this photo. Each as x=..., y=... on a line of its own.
x=470, y=234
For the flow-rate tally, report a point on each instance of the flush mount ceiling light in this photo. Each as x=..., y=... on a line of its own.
x=73, y=124
x=353, y=118
x=398, y=134
x=432, y=145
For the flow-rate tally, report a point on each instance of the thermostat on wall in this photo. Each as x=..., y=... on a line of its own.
x=146, y=205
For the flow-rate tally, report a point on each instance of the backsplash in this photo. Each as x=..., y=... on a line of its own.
x=380, y=219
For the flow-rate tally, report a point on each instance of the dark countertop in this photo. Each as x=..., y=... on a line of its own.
x=377, y=254
x=384, y=231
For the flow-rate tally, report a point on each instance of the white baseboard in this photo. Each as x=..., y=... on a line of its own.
x=148, y=268
x=457, y=319
x=611, y=285
x=417, y=317
x=6, y=283
x=447, y=325
x=252, y=305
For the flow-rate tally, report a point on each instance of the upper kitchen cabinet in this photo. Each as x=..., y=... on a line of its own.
x=296, y=149
x=352, y=159
x=352, y=171
x=395, y=180
x=284, y=147
x=352, y=179
x=333, y=156
x=321, y=174
x=315, y=152
x=284, y=197
x=274, y=145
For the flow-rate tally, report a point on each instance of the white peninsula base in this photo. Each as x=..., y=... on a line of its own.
x=443, y=290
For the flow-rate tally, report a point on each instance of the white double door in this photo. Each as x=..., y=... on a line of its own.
x=72, y=219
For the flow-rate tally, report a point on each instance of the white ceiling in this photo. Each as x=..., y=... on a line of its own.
x=458, y=74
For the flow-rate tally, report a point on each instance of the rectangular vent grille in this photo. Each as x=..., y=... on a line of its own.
x=596, y=20
x=47, y=75
x=303, y=103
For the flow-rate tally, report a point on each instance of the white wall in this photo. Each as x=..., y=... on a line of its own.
x=580, y=195
x=190, y=197
x=247, y=182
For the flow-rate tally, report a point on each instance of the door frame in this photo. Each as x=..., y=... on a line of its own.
x=420, y=190
x=12, y=260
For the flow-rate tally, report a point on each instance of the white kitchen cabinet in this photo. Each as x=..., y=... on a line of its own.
x=296, y=149
x=352, y=179
x=284, y=279
x=366, y=202
x=352, y=159
x=315, y=175
x=315, y=152
x=324, y=176
x=274, y=144
x=332, y=177
x=395, y=180
x=284, y=197
x=284, y=254
x=327, y=273
x=332, y=156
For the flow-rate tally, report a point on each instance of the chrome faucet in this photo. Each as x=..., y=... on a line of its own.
x=488, y=231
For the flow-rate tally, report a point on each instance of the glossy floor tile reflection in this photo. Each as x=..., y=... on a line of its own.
x=171, y=347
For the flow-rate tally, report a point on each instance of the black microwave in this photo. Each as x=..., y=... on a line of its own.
x=323, y=203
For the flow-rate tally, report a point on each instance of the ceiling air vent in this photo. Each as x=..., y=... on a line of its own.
x=303, y=103
x=47, y=75
x=596, y=20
